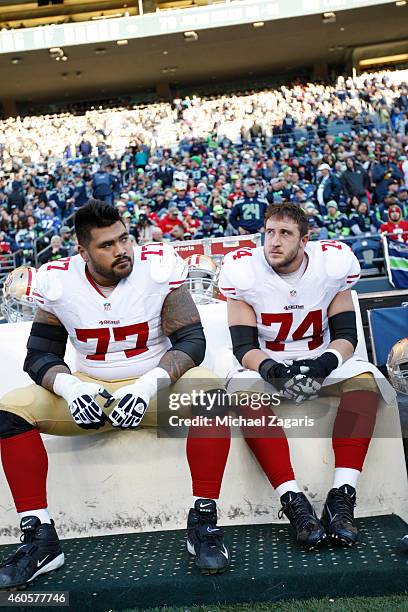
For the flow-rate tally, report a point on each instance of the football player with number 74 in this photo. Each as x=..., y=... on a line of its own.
x=135, y=330
x=293, y=324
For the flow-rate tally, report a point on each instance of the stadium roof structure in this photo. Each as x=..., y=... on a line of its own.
x=101, y=63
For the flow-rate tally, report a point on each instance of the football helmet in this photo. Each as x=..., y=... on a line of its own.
x=397, y=366
x=202, y=278
x=18, y=301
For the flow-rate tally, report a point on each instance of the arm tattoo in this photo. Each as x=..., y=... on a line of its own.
x=178, y=311
x=42, y=316
x=49, y=377
x=176, y=363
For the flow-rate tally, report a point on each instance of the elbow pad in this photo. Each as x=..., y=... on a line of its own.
x=244, y=339
x=45, y=349
x=343, y=326
x=190, y=339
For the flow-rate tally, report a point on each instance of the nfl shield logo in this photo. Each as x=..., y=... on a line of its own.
x=107, y=306
x=293, y=293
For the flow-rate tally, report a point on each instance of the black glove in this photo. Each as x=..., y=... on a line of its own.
x=321, y=367
x=289, y=380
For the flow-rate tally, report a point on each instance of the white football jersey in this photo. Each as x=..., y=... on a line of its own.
x=120, y=336
x=292, y=319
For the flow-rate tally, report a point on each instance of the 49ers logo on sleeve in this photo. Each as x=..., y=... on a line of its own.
x=106, y=336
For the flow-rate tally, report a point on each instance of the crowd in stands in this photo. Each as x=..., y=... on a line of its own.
x=200, y=167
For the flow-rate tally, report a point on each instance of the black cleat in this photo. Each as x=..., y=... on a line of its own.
x=40, y=553
x=403, y=544
x=205, y=541
x=338, y=515
x=297, y=508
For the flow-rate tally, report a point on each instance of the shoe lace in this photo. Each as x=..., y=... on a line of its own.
x=213, y=539
x=344, y=505
x=301, y=516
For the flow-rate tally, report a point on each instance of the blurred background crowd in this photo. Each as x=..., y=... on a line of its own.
x=208, y=167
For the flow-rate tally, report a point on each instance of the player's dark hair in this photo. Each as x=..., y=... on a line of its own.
x=95, y=213
x=287, y=210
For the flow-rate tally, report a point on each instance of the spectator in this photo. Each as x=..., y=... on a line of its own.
x=396, y=225
x=328, y=186
x=384, y=173
x=170, y=220
x=54, y=251
x=363, y=222
x=103, y=184
x=16, y=198
x=335, y=222
x=67, y=241
x=248, y=213
x=355, y=181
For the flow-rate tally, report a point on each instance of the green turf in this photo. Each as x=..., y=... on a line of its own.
x=396, y=603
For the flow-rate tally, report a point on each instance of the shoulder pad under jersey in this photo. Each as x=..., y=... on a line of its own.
x=49, y=282
x=238, y=268
x=162, y=258
x=337, y=258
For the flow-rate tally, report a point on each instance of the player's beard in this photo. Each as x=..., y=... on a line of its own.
x=283, y=264
x=114, y=273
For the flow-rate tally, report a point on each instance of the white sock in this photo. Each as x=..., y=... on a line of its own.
x=195, y=499
x=285, y=487
x=42, y=514
x=345, y=476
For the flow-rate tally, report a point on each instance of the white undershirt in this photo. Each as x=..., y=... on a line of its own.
x=293, y=277
x=106, y=291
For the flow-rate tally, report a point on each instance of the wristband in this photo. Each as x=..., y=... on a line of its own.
x=337, y=354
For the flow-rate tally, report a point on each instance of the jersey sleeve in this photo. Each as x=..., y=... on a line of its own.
x=167, y=268
x=353, y=273
x=179, y=272
x=341, y=265
x=236, y=276
x=49, y=286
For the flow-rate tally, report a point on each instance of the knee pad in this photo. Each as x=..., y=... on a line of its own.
x=11, y=424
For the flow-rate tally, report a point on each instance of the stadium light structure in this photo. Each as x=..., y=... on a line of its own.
x=57, y=54
x=190, y=36
x=384, y=59
x=329, y=17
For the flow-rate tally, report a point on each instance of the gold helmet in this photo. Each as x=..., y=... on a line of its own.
x=202, y=278
x=397, y=366
x=18, y=301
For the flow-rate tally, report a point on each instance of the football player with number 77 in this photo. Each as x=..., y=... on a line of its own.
x=135, y=330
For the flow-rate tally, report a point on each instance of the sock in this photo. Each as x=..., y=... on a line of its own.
x=42, y=514
x=270, y=447
x=207, y=452
x=25, y=465
x=346, y=476
x=353, y=428
x=285, y=487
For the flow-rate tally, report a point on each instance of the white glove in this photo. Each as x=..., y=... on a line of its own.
x=80, y=397
x=134, y=399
